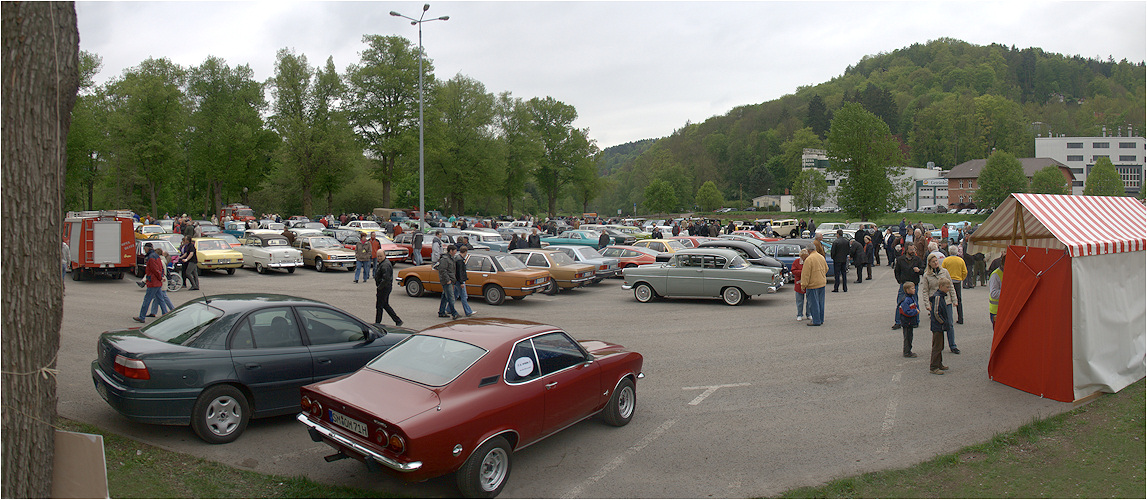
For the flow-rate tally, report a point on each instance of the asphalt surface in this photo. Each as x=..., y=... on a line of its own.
x=737, y=401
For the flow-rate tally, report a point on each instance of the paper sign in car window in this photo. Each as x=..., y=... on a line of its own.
x=524, y=366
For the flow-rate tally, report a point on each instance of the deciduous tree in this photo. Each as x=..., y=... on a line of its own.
x=1001, y=176
x=1104, y=180
x=465, y=153
x=709, y=198
x=1050, y=180
x=810, y=189
x=520, y=147
x=87, y=137
x=563, y=147
x=660, y=197
x=862, y=150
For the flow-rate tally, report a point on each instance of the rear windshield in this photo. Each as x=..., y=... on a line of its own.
x=509, y=262
x=181, y=324
x=213, y=245
x=427, y=360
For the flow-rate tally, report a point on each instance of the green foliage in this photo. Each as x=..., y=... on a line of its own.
x=564, y=148
x=519, y=145
x=1001, y=176
x=810, y=189
x=660, y=197
x=818, y=119
x=709, y=198
x=867, y=157
x=87, y=139
x=464, y=160
x=1050, y=180
x=1104, y=180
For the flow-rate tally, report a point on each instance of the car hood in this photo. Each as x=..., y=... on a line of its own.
x=386, y=397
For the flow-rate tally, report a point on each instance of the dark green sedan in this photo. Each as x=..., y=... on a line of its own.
x=217, y=361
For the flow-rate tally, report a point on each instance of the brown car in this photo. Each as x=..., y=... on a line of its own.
x=494, y=276
x=565, y=272
x=325, y=252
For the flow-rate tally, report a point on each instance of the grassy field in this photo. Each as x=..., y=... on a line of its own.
x=1094, y=451
x=885, y=219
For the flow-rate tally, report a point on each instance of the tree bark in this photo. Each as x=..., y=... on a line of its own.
x=40, y=78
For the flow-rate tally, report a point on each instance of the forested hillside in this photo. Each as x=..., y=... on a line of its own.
x=946, y=101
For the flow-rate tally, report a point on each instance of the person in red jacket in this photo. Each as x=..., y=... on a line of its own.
x=797, y=267
x=153, y=279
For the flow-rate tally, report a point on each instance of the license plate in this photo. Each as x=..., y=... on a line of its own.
x=102, y=389
x=224, y=261
x=349, y=423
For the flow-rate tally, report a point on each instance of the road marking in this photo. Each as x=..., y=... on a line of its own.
x=620, y=459
x=709, y=390
x=890, y=415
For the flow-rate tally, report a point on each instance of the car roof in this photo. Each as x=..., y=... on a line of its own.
x=725, y=252
x=488, y=333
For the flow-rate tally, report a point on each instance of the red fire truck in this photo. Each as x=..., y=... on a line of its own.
x=236, y=211
x=100, y=243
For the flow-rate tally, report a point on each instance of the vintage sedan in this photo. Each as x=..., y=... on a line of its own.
x=348, y=237
x=463, y=396
x=324, y=253
x=575, y=237
x=564, y=272
x=691, y=241
x=144, y=231
x=141, y=258
x=214, y=253
x=702, y=272
x=217, y=361
x=752, y=253
x=790, y=250
x=604, y=267
x=488, y=238
x=630, y=256
x=493, y=276
x=268, y=251
x=663, y=245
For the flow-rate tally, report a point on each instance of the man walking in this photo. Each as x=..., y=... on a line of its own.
x=859, y=259
x=153, y=279
x=417, y=244
x=190, y=259
x=383, y=282
x=447, y=276
x=460, y=286
x=839, y=252
x=813, y=282
x=362, y=259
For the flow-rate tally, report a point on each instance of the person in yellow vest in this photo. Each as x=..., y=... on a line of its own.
x=994, y=283
x=959, y=271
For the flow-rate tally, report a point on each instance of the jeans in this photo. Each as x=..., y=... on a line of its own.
x=951, y=329
x=162, y=302
x=937, y=351
x=815, y=298
x=800, y=304
x=360, y=265
x=463, y=297
x=446, y=306
x=371, y=270
x=960, y=300
x=417, y=257
x=839, y=275
x=150, y=295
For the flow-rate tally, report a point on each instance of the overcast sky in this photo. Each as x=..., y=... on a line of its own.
x=633, y=70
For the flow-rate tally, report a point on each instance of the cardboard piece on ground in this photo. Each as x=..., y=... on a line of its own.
x=79, y=469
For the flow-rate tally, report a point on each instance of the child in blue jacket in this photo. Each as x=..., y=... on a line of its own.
x=909, y=316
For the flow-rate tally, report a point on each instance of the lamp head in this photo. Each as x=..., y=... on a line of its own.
x=425, y=7
x=444, y=18
x=395, y=14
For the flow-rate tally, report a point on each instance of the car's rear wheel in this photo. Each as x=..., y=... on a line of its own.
x=621, y=405
x=551, y=287
x=414, y=287
x=643, y=292
x=220, y=414
x=733, y=296
x=259, y=268
x=494, y=295
x=230, y=271
x=319, y=264
x=485, y=473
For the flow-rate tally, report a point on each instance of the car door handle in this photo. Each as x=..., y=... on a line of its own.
x=253, y=366
x=551, y=385
x=324, y=361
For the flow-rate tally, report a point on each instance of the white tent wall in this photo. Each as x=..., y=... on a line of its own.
x=1109, y=321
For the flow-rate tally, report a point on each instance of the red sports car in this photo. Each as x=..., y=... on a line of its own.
x=756, y=234
x=461, y=397
x=630, y=256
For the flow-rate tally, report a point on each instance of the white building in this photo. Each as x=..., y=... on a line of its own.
x=1080, y=153
x=920, y=187
x=783, y=202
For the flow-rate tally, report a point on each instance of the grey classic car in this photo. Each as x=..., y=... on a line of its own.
x=702, y=272
x=604, y=267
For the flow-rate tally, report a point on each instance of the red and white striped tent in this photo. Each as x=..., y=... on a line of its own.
x=1072, y=317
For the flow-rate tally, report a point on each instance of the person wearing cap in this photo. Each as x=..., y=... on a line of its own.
x=930, y=283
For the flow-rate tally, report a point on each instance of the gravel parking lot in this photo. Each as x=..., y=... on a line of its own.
x=737, y=401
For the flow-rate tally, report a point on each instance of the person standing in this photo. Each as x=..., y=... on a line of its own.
x=534, y=240
x=859, y=259
x=436, y=246
x=383, y=283
x=603, y=240
x=908, y=268
x=416, y=244
x=797, y=268
x=909, y=312
x=162, y=302
x=447, y=276
x=189, y=256
x=890, y=243
x=153, y=279
x=930, y=282
x=362, y=259
x=839, y=253
x=375, y=246
x=515, y=243
x=871, y=254
x=813, y=281
x=460, y=285
x=938, y=313
x=995, y=283
x=958, y=271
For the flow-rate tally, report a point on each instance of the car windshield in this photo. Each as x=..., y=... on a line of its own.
x=314, y=225
x=509, y=262
x=230, y=239
x=208, y=228
x=179, y=325
x=674, y=244
x=427, y=360
x=213, y=244
x=161, y=245
x=561, y=259
x=367, y=224
x=588, y=253
x=326, y=242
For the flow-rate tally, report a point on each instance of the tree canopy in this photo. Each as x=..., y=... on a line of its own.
x=866, y=156
x=1104, y=180
x=1050, y=180
x=1001, y=176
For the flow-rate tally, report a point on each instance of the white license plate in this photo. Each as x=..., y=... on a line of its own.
x=224, y=261
x=349, y=423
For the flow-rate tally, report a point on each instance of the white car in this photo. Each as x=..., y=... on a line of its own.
x=362, y=225
x=269, y=251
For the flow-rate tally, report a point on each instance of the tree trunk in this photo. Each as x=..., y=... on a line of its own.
x=152, y=195
x=218, y=184
x=40, y=78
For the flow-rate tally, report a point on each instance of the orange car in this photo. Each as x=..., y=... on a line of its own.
x=491, y=275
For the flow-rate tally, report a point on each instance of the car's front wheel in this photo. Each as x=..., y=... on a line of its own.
x=414, y=287
x=319, y=264
x=494, y=295
x=485, y=473
x=220, y=414
x=643, y=292
x=621, y=405
x=793, y=233
x=733, y=296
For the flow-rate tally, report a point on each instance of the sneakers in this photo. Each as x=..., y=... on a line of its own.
x=800, y=318
x=955, y=351
x=910, y=355
x=356, y=281
x=936, y=372
x=942, y=367
x=471, y=314
x=137, y=320
x=441, y=315
x=895, y=327
x=398, y=323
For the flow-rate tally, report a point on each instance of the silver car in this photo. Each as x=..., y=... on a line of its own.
x=604, y=267
x=704, y=273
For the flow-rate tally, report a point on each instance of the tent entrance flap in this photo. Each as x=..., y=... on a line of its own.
x=1032, y=340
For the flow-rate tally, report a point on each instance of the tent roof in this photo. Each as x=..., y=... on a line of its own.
x=1084, y=225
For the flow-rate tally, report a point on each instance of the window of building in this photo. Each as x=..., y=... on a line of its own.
x=961, y=183
x=1101, y=145
x=1076, y=183
x=1127, y=145
x=1126, y=157
x=1096, y=157
x=1074, y=157
x=1075, y=145
x=1077, y=170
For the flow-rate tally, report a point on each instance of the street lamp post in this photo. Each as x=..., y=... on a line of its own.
x=421, y=126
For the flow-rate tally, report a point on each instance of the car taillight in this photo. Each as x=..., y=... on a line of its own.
x=305, y=403
x=397, y=444
x=131, y=368
x=603, y=267
x=317, y=409
x=381, y=437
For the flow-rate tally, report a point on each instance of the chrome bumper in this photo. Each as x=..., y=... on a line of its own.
x=318, y=433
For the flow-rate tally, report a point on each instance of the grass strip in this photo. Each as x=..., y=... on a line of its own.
x=1095, y=451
